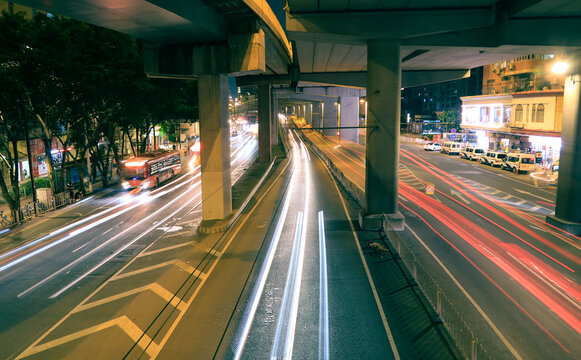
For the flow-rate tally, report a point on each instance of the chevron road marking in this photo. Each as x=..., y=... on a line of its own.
x=154, y=287
x=176, y=262
x=134, y=332
x=164, y=249
x=123, y=322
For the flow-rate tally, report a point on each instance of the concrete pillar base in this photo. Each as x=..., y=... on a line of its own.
x=394, y=222
x=370, y=222
x=214, y=226
x=568, y=226
x=374, y=222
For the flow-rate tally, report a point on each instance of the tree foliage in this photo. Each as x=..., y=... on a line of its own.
x=451, y=119
x=84, y=85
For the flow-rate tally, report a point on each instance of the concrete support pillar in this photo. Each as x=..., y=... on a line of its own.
x=309, y=114
x=215, y=150
x=264, y=121
x=568, y=206
x=317, y=114
x=330, y=116
x=382, y=160
x=349, y=117
x=274, y=121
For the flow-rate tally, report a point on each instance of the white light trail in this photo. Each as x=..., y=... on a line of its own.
x=289, y=312
x=104, y=261
x=138, y=201
x=86, y=255
x=288, y=299
x=263, y=275
x=76, y=224
x=80, y=230
x=323, y=293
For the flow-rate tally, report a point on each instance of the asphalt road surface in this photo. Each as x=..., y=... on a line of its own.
x=481, y=233
x=74, y=276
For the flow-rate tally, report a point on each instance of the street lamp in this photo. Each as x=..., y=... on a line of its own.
x=560, y=67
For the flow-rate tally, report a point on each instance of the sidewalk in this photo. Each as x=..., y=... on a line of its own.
x=28, y=201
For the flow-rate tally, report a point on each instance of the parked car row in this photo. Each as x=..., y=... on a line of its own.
x=514, y=161
x=473, y=154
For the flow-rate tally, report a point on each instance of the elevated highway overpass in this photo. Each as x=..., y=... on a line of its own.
x=375, y=46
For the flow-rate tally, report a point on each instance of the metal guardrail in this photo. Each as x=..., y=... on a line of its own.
x=457, y=327
x=27, y=211
x=61, y=199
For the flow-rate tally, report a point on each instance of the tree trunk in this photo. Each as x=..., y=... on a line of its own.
x=130, y=142
x=14, y=181
x=47, y=140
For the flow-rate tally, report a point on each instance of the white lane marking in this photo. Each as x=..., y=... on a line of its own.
x=537, y=207
x=80, y=247
x=538, y=228
x=459, y=195
x=323, y=293
x=402, y=198
x=170, y=229
x=512, y=178
x=369, y=278
x=531, y=194
x=486, y=171
x=470, y=298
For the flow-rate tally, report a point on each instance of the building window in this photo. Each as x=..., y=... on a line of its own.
x=484, y=114
x=507, y=114
x=518, y=113
x=497, y=114
x=540, y=118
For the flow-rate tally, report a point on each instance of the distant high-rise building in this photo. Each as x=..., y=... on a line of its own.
x=427, y=101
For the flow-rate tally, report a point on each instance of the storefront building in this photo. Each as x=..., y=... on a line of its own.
x=528, y=121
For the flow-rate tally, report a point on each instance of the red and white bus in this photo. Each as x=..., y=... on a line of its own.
x=150, y=169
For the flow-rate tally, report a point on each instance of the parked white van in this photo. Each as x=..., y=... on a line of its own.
x=451, y=148
x=493, y=158
x=519, y=162
x=471, y=153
